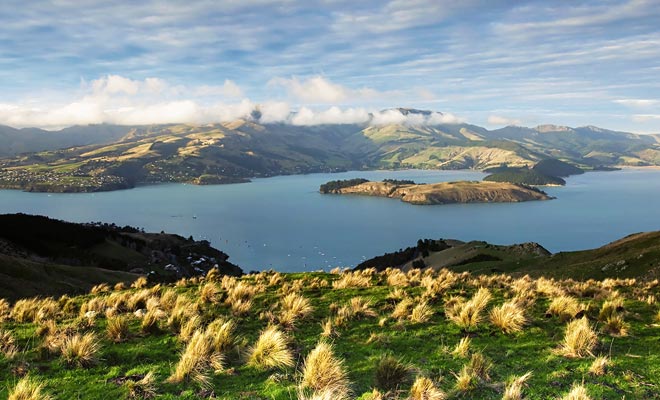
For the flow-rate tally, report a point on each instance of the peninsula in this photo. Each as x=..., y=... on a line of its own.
x=438, y=193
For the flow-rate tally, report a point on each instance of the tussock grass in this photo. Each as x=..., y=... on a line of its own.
x=80, y=350
x=144, y=388
x=391, y=373
x=421, y=313
x=462, y=349
x=599, y=366
x=140, y=283
x=352, y=280
x=616, y=326
x=100, y=288
x=271, y=350
x=8, y=347
x=403, y=308
x=5, y=309
x=509, y=317
x=293, y=307
x=579, y=339
x=578, y=392
x=564, y=307
x=151, y=320
x=323, y=372
x=118, y=329
x=424, y=389
x=198, y=360
x=28, y=388
x=209, y=292
x=468, y=315
x=514, y=387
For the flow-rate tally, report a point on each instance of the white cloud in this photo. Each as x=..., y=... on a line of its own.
x=315, y=89
x=638, y=103
x=645, y=117
x=228, y=89
x=333, y=115
x=500, y=120
x=444, y=118
x=273, y=112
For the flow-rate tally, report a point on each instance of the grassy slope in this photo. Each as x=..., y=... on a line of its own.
x=23, y=278
x=635, y=373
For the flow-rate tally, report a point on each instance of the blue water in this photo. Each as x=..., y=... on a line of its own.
x=285, y=224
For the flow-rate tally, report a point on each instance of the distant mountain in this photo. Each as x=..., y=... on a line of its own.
x=120, y=157
x=16, y=141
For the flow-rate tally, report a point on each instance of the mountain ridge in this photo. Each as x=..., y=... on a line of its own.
x=239, y=150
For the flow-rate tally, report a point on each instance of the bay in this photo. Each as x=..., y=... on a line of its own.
x=283, y=222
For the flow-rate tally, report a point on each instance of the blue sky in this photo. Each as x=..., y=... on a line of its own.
x=489, y=62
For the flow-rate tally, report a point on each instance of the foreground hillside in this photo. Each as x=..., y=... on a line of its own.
x=236, y=151
x=634, y=256
x=366, y=335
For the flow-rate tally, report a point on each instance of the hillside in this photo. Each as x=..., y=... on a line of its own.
x=636, y=256
x=524, y=176
x=363, y=335
x=76, y=256
x=239, y=150
x=441, y=193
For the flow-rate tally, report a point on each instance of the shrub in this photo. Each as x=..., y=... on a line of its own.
x=391, y=373
x=270, y=350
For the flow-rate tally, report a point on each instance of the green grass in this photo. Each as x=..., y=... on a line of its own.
x=361, y=343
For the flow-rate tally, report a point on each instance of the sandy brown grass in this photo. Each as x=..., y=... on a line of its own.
x=28, y=389
x=271, y=350
x=579, y=339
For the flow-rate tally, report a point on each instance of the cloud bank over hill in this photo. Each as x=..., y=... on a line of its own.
x=120, y=100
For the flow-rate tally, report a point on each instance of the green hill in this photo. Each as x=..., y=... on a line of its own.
x=235, y=151
x=636, y=256
x=524, y=176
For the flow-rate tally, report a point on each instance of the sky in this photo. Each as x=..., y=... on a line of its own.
x=487, y=62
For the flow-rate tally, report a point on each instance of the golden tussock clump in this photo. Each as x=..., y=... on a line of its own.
x=509, y=317
x=209, y=293
x=467, y=315
x=292, y=307
x=465, y=380
x=323, y=372
x=616, y=326
x=361, y=307
x=189, y=326
x=7, y=344
x=425, y=389
x=396, y=277
x=271, y=350
x=80, y=350
x=150, y=320
x=421, y=313
x=144, y=388
x=119, y=286
x=579, y=339
x=45, y=328
x=28, y=389
x=599, y=366
x=564, y=307
x=391, y=373
x=222, y=334
x=403, y=308
x=462, y=349
x=328, y=328
x=514, y=387
x=140, y=283
x=578, y=392
x=25, y=310
x=118, y=329
x=198, y=360
x=610, y=308
x=100, y=288
x=4, y=310
x=352, y=280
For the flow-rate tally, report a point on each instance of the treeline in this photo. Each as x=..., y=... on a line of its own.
x=399, y=181
x=332, y=186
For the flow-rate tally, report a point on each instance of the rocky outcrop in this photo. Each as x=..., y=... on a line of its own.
x=448, y=192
